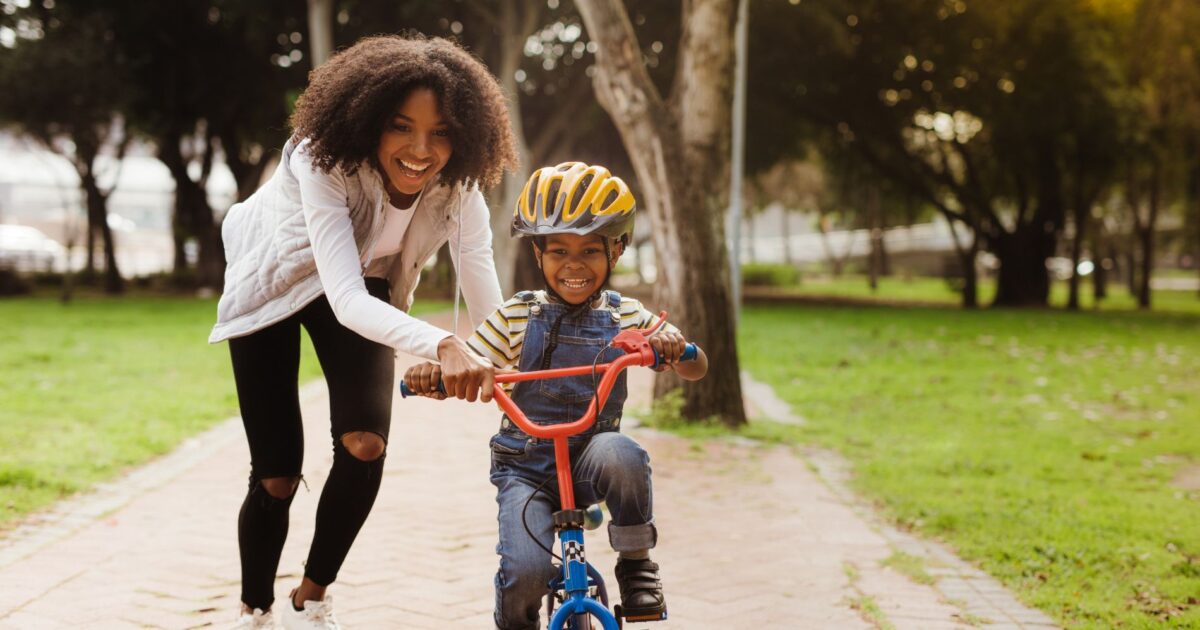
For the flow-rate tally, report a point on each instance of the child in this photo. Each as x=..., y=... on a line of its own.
x=579, y=219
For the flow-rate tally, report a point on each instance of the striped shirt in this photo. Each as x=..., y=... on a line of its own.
x=500, y=337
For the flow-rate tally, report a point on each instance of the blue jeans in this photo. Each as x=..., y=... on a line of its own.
x=608, y=467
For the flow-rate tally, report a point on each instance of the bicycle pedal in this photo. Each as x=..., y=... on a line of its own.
x=639, y=616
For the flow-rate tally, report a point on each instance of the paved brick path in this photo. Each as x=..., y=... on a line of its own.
x=750, y=537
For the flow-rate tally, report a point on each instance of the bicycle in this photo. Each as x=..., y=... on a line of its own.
x=579, y=587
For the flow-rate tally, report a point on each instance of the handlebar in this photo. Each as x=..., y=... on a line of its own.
x=690, y=352
x=638, y=351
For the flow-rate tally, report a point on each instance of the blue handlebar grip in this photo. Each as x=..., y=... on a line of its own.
x=690, y=352
x=405, y=392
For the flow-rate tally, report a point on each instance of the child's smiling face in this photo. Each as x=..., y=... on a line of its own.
x=575, y=266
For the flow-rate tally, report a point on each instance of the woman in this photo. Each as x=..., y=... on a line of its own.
x=391, y=141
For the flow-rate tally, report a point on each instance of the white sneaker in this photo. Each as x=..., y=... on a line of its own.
x=254, y=620
x=315, y=616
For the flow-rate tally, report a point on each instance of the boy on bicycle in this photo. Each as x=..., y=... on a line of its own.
x=579, y=219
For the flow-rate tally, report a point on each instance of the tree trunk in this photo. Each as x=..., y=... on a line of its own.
x=193, y=217
x=1131, y=265
x=873, y=260
x=966, y=257
x=1080, y=220
x=1023, y=279
x=87, y=148
x=1147, y=270
x=1146, y=238
x=681, y=157
x=1099, y=284
x=89, y=260
x=1194, y=191
x=885, y=261
x=517, y=21
x=320, y=30
x=247, y=168
x=970, y=292
x=179, y=237
x=97, y=204
x=1105, y=257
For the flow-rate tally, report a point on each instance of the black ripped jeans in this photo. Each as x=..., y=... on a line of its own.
x=359, y=374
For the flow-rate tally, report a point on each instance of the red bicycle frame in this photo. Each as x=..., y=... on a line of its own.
x=638, y=351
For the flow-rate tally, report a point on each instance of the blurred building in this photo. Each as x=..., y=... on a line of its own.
x=39, y=188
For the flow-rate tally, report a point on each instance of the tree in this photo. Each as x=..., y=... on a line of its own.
x=63, y=86
x=970, y=106
x=1160, y=125
x=210, y=75
x=679, y=148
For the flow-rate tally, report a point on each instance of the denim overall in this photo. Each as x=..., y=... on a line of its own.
x=605, y=464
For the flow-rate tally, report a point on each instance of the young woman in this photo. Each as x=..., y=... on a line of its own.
x=391, y=141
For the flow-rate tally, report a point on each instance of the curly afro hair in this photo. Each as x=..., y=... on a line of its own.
x=350, y=99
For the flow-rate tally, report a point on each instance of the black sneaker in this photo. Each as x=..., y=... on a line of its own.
x=641, y=590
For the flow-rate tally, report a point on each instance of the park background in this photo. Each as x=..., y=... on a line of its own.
x=968, y=236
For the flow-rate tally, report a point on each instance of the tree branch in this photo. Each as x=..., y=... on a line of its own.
x=622, y=82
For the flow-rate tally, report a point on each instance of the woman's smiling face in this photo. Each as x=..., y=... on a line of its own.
x=575, y=266
x=414, y=147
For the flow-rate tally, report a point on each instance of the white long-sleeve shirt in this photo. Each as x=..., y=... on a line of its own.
x=341, y=269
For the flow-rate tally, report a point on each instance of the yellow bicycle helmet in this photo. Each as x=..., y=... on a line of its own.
x=574, y=198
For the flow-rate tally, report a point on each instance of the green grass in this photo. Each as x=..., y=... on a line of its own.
x=1042, y=445
x=871, y=612
x=864, y=604
x=92, y=388
x=938, y=291
x=910, y=565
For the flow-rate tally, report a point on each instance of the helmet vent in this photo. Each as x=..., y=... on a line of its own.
x=552, y=196
x=531, y=199
x=580, y=189
x=610, y=198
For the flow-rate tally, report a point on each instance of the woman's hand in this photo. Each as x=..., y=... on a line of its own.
x=670, y=346
x=423, y=380
x=466, y=375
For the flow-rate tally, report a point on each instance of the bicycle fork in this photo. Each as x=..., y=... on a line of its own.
x=576, y=572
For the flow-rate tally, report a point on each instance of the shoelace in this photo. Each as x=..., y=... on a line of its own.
x=322, y=612
x=255, y=619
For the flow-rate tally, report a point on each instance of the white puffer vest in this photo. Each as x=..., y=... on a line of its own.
x=270, y=270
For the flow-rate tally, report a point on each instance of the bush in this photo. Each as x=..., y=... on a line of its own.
x=168, y=281
x=770, y=275
x=666, y=412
